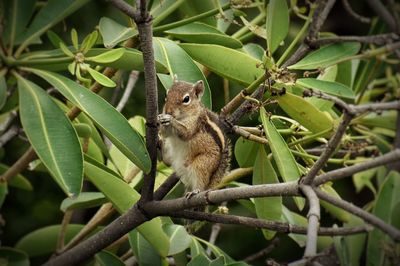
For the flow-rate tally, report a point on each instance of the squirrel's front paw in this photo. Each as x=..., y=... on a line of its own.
x=164, y=119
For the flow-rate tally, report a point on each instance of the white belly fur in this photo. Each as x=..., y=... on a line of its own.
x=177, y=151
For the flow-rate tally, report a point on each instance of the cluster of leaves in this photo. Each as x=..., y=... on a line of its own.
x=70, y=145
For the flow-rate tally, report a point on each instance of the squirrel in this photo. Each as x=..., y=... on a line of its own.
x=192, y=140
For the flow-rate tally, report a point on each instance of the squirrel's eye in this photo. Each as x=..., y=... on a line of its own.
x=186, y=99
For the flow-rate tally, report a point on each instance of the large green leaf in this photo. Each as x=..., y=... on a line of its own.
x=113, y=33
x=387, y=200
x=386, y=119
x=198, y=32
x=229, y=63
x=281, y=153
x=83, y=201
x=144, y=252
x=339, y=213
x=180, y=240
x=123, y=197
x=53, y=12
x=305, y=113
x=245, y=152
x=333, y=88
x=13, y=257
x=277, y=23
x=106, y=258
x=178, y=62
x=109, y=120
x=327, y=55
x=17, y=16
x=18, y=181
x=269, y=208
x=43, y=241
x=295, y=218
x=52, y=136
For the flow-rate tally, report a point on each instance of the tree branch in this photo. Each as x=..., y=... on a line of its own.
x=388, y=229
x=379, y=39
x=350, y=10
x=313, y=217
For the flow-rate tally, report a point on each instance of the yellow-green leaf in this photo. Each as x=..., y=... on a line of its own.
x=100, y=78
x=277, y=23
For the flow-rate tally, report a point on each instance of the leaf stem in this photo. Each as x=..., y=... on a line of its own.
x=168, y=11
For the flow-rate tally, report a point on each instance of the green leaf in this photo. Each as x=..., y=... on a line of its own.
x=180, y=240
x=277, y=23
x=3, y=91
x=13, y=257
x=281, y=153
x=269, y=208
x=297, y=219
x=53, y=12
x=74, y=38
x=54, y=38
x=16, y=16
x=245, y=152
x=199, y=260
x=65, y=50
x=110, y=121
x=18, y=181
x=43, y=241
x=196, y=248
x=333, y=88
x=327, y=55
x=107, y=57
x=106, y=258
x=178, y=62
x=83, y=130
x=100, y=78
x=83, y=201
x=254, y=50
x=198, y=32
x=144, y=252
x=257, y=30
x=386, y=201
x=339, y=213
x=363, y=179
x=113, y=33
x=124, y=197
x=224, y=61
x=52, y=136
x=386, y=119
x=89, y=41
x=305, y=113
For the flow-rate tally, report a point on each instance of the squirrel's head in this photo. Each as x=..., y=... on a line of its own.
x=184, y=99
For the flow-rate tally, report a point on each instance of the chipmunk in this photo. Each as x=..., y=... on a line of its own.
x=193, y=142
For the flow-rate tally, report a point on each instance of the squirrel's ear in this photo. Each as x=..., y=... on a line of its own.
x=198, y=88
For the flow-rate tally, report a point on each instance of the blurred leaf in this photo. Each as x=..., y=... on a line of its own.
x=13, y=257
x=305, y=113
x=113, y=33
x=327, y=55
x=100, y=78
x=180, y=240
x=245, y=152
x=199, y=260
x=3, y=192
x=18, y=181
x=219, y=261
x=329, y=74
x=224, y=61
x=53, y=12
x=363, y=179
x=3, y=91
x=198, y=32
x=277, y=23
x=180, y=63
x=107, y=57
x=386, y=200
x=282, y=155
x=124, y=197
x=52, y=136
x=110, y=121
x=43, y=241
x=16, y=16
x=144, y=252
x=106, y=258
x=196, y=248
x=355, y=243
x=385, y=119
x=257, y=30
x=54, y=38
x=345, y=74
x=83, y=130
x=85, y=200
x=254, y=50
x=268, y=208
x=65, y=50
x=338, y=213
x=333, y=88
x=297, y=219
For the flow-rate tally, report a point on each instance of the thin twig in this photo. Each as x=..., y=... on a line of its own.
x=388, y=229
x=63, y=230
x=215, y=229
x=379, y=39
x=133, y=77
x=247, y=135
x=379, y=8
x=313, y=217
x=9, y=135
x=351, y=12
x=272, y=245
